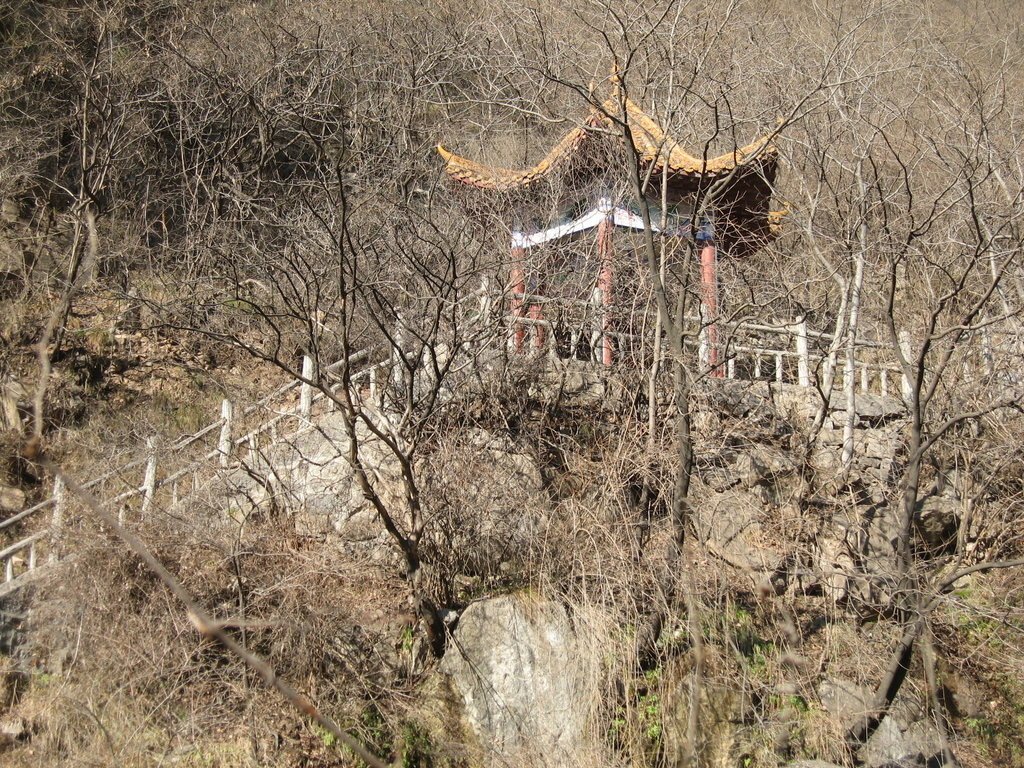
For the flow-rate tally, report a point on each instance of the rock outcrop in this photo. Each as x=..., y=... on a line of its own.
x=906, y=736
x=523, y=675
x=484, y=497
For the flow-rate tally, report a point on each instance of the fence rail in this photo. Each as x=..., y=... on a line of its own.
x=20, y=561
x=751, y=351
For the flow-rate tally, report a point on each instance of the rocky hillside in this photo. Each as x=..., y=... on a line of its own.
x=549, y=564
x=517, y=503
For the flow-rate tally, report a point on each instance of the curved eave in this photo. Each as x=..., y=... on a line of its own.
x=488, y=177
x=755, y=157
x=665, y=153
x=655, y=147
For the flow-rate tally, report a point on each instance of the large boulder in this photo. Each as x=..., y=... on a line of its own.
x=483, y=497
x=855, y=555
x=574, y=383
x=526, y=681
x=308, y=475
x=905, y=735
x=322, y=489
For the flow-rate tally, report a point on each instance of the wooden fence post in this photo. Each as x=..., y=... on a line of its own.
x=596, y=326
x=255, y=458
x=486, y=302
x=606, y=282
x=803, y=363
x=57, y=521
x=306, y=390
x=703, y=347
x=224, y=446
x=907, y=351
x=149, y=481
x=398, y=356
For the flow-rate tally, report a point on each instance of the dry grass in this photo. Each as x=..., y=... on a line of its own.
x=128, y=681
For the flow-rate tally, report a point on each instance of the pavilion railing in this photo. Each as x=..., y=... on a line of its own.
x=787, y=353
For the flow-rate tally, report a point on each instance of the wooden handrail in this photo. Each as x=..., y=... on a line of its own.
x=15, y=548
x=798, y=332
x=180, y=445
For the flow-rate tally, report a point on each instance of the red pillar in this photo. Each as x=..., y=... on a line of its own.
x=709, y=295
x=537, y=313
x=604, y=283
x=517, y=285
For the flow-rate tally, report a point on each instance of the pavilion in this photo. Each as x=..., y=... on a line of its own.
x=721, y=204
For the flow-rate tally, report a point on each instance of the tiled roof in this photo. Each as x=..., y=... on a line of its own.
x=650, y=140
x=488, y=177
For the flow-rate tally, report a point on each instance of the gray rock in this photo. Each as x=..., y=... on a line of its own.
x=523, y=677
x=476, y=482
x=571, y=382
x=903, y=735
x=750, y=470
x=844, y=700
x=12, y=396
x=10, y=210
x=834, y=567
x=11, y=499
x=872, y=410
x=917, y=741
x=730, y=524
x=722, y=736
x=856, y=554
x=936, y=522
x=776, y=462
x=309, y=475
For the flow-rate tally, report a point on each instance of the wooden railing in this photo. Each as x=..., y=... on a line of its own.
x=141, y=478
x=785, y=353
x=797, y=358
x=21, y=560
x=782, y=353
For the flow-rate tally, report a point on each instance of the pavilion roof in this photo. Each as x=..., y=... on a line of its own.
x=653, y=144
